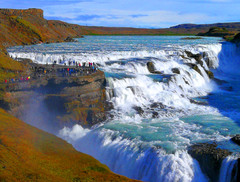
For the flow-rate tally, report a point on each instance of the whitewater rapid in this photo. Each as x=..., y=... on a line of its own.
x=145, y=145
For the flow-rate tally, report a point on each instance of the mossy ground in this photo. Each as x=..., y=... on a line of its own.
x=29, y=154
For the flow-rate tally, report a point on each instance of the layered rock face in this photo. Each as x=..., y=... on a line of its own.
x=62, y=100
x=210, y=158
x=15, y=12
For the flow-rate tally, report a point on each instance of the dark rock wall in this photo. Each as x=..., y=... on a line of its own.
x=55, y=102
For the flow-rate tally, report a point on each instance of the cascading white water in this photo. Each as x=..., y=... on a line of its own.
x=136, y=159
x=227, y=167
x=139, y=145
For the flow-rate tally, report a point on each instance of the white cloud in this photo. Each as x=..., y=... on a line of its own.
x=109, y=15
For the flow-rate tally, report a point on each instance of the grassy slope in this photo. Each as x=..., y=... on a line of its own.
x=26, y=153
x=29, y=154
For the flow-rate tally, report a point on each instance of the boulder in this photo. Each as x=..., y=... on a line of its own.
x=152, y=69
x=155, y=114
x=209, y=157
x=157, y=105
x=176, y=70
x=139, y=110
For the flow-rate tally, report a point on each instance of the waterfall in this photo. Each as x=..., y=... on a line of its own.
x=229, y=170
x=155, y=118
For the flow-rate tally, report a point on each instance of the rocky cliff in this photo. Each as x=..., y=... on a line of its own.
x=64, y=100
x=84, y=103
x=27, y=153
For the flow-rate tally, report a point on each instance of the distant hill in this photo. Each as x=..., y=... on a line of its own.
x=29, y=26
x=230, y=26
x=21, y=27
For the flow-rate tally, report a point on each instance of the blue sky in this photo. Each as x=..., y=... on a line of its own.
x=133, y=13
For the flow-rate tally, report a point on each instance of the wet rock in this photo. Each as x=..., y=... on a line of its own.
x=197, y=69
x=152, y=69
x=108, y=106
x=197, y=57
x=210, y=74
x=157, y=72
x=155, y=114
x=139, y=110
x=236, y=139
x=186, y=81
x=176, y=70
x=157, y=105
x=198, y=102
x=208, y=61
x=209, y=157
x=69, y=39
x=191, y=65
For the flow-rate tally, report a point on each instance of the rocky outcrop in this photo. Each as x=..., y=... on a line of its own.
x=69, y=39
x=198, y=58
x=64, y=100
x=22, y=13
x=210, y=158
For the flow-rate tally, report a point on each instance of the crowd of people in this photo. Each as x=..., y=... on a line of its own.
x=14, y=80
x=72, y=69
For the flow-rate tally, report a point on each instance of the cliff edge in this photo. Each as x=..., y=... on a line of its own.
x=27, y=153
